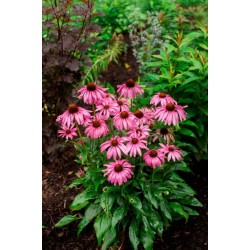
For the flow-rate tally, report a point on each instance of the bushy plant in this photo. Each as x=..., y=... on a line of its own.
x=180, y=68
x=67, y=34
x=131, y=185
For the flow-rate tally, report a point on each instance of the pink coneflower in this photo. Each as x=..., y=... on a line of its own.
x=129, y=89
x=142, y=131
x=123, y=104
x=107, y=108
x=166, y=133
x=124, y=120
x=92, y=93
x=118, y=171
x=170, y=113
x=143, y=116
x=135, y=144
x=108, y=97
x=162, y=98
x=171, y=151
x=67, y=132
x=97, y=128
x=154, y=158
x=115, y=145
x=72, y=114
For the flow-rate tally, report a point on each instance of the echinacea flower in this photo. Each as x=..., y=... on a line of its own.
x=143, y=116
x=92, y=93
x=135, y=144
x=170, y=113
x=96, y=128
x=118, y=171
x=129, y=89
x=107, y=108
x=166, y=133
x=67, y=132
x=171, y=151
x=142, y=131
x=162, y=98
x=115, y=145
x=108, y=97
x=124, y=120
x=154, y=158
x=123, y=104
x=72, y=114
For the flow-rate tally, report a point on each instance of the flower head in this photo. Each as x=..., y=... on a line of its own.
x=107, y=108
x=142, y=131
x=129, y=89
x=143, y=116
x=135, y=144
x=67, y=132
x=96, y=128
x=170, y=113
x=72, y=114
x=162, y=98
x=166, y=133
x=124, y=120
x=123, y=104
x=115, y=145
x=171, y=151
x=118, y=171
x=154, y=158
x=92, y=93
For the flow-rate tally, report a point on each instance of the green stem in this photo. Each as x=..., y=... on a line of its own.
x=84, y=145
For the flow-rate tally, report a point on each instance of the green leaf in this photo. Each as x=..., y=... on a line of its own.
x=190, y=123
x=81, y=200
x=147, y=238
x=165, y=209
x=133, y=235
x=118, y=215
x=156, y=221
x=91, y=212
x=135, y=202
x=182, y=166
x=109, y=238
x=66, y=220
x=75, y=183
x=101, y=225
x=187, y=132
x=178, y=209
x=191, y=201
x=111, y=90
x=107, y=201
x=151, y=198
x=190, y=211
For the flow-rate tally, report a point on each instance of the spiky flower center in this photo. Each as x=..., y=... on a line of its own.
x=153, y=153
x=124, y=114
x=138, y=130
x=162, y=95
x=114, y=142
x=170, y=106
x=118, y=168
x=164, y=131
x=72, y=108
x=91, y=86
x=135, y=140
x=138, y=114
x=67, y=131
x=120, y=103
x=96, y=124
x=106, y=107
x=130, y=83
x=171, y=149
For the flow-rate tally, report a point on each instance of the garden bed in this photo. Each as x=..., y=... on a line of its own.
x=59, y=170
